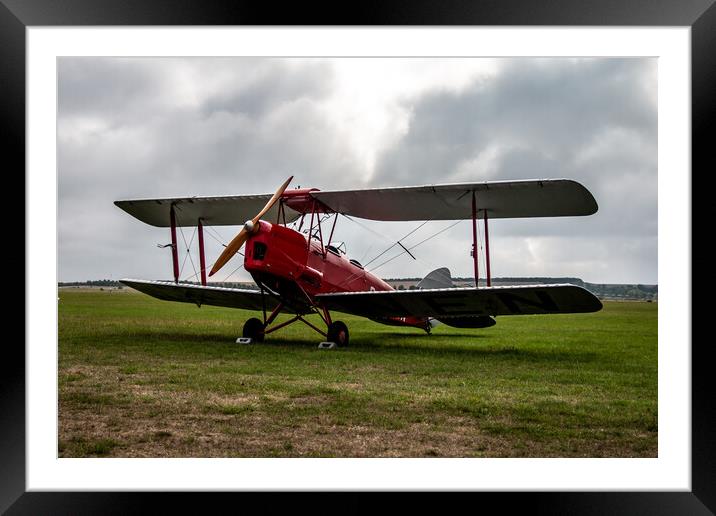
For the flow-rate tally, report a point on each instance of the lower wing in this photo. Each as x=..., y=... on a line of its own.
x=445, y=303
x=203, y=295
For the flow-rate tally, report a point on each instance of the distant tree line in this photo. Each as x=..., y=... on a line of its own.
x=91, y=283
x=602, y=290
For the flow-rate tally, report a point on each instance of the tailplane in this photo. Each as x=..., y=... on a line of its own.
x=440, y=278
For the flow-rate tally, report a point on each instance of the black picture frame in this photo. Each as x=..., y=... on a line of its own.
x=700, y=15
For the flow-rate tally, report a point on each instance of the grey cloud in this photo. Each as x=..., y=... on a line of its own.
x=590, y=120
x=210, y=149
x=552, y=107
x=127, y=129
x=270, y=85
x=145, y=146
x=117, y=89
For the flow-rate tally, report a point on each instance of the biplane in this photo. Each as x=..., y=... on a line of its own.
x=300, y=272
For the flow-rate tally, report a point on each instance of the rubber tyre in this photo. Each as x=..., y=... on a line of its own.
x=338, y=333
x=254, y=330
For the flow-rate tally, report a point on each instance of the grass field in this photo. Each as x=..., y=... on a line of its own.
x=140, y=377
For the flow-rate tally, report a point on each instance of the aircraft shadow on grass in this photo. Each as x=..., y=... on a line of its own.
x=380, y=343
x=401, y=343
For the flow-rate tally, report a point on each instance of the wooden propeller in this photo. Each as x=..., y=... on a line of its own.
x=249, y=228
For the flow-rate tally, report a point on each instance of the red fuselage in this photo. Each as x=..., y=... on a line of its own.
x=298, y=268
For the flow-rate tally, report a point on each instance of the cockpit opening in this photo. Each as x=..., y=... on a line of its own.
x=337, y=248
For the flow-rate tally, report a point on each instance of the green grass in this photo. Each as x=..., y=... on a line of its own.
x=142, y=377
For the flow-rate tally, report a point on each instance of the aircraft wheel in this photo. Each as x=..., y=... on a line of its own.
x=338, y=333
x=254, y=330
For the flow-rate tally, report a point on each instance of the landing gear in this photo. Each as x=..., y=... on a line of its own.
x=254, y=330
x=338, y=333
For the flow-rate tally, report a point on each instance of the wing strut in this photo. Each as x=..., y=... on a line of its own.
x=474, y=243
x=487, y=252
x=175, y=252
x=202, y=258
x=474, y=236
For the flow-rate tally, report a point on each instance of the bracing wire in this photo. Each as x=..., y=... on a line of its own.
x=188, y=252
x=190, y=278
x=416, y=245
x=366, y=253
x=397, y=242
x=410, y=248
x=188, y=249
x=380, y=235
x=232, y=272
x=213, y=233
x=196, y=274
x=217, y=238
x=181, y=269
x=353, y=276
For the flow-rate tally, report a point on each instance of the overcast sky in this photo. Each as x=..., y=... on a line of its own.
x=163, y=127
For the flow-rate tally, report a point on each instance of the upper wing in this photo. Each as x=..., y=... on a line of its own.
x=201, y=295
x=231, y=210
x=501, y=199
x=459, y=302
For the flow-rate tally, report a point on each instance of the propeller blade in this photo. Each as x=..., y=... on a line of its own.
x=230, y=250
x=240, y=239
x=273, y=200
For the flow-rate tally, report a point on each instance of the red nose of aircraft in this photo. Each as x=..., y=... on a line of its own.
x=250, y=227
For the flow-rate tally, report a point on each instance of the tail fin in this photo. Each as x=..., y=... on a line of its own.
x=439, y=278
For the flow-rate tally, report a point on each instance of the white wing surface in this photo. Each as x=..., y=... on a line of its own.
x=501, y=199
x=231, y=210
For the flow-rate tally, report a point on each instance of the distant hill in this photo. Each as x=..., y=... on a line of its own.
x=635, y=292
